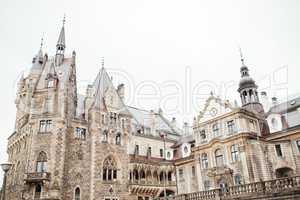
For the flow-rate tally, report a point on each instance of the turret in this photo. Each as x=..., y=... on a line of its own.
x=60, y=46
x=248, y=90
x=37, y=61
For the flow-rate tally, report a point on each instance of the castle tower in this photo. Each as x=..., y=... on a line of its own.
x=248, y=90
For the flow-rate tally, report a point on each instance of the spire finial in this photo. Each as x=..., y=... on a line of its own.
x=42, y=42
x=64, y=20
x=241, y=55
x=102, y=62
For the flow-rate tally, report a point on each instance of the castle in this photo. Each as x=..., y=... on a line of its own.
x=95, y=147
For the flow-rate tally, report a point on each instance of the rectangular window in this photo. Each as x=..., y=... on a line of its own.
x=136, y=150
x=180, y=172
x=161, y=153
x=149, y=152
x=278, y=150
x=215, y=128
x=231, y=126
x=193, y=171
x=45, y=126
x=234, y=153
x=40, y=166
x=298, y=145
x=80, y=133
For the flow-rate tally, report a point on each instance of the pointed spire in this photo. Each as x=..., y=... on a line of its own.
x=102, y=62
x=61, y=43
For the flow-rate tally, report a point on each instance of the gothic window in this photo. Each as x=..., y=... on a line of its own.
x=231, y=126
x=45, y=126
x=169, y=176
x=215, y=129
x=118, y=139
x=77, y=193
x=234, y=153
x=278, y=150
x=105, y=136
x=136, y=150
x=80, y=133
x=41, y=162
x=109, y=169
x=185, y=149
x=219, y=158
x=38, y=191
x=298, y=144
x=142, y=174
x=204, y=161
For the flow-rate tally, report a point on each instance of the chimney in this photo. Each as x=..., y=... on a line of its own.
x=265, y=101
x=274, y=101
x=121, y=90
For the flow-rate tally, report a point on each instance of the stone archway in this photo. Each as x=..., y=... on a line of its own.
x=283, y=172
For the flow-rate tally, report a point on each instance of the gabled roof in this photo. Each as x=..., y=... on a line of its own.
x=286, y=106
x=146, y=118
x=101, y=85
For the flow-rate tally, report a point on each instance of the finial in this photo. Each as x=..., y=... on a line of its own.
x=42, y=42
x=241, y=55
x=64, y=20
x=102, y=62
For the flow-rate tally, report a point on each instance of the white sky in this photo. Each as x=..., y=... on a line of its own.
x=156, y=40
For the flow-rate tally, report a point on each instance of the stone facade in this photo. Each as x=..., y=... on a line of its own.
x=68, y=146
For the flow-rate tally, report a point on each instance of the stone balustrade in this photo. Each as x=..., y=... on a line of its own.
x=263, y=189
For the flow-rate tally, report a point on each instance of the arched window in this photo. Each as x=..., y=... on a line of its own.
x=142, y=174
x=169, y=176
x=219, y=158
x=109, y=169
x=77, y=193
x=118, y=139
x=234, y=153
x=105, y=136
x=41, y=162
x=204, y=161
x=38, y=191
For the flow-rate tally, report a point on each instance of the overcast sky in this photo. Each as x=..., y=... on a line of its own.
x=167, y=49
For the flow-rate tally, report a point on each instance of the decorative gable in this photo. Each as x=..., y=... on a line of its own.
x=214, y=107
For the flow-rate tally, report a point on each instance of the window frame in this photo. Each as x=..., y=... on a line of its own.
x=234, y=153
x=204, y=161
x=278, y=150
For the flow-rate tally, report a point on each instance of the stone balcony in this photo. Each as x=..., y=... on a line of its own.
x=36, y=177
